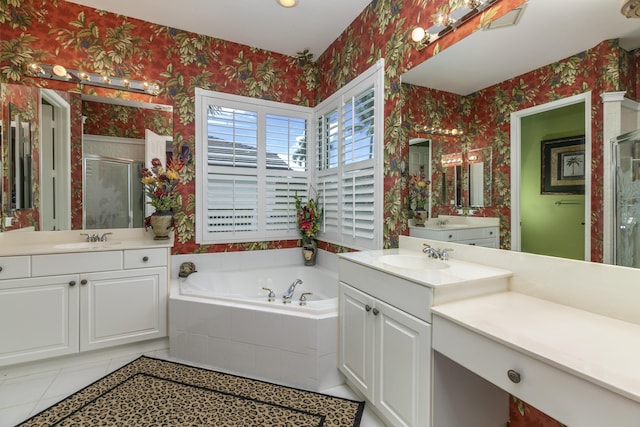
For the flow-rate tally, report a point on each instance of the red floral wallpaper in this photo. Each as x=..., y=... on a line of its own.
x=55, y=31
x=124, y=121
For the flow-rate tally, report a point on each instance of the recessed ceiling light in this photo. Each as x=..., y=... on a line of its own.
x=287, y=3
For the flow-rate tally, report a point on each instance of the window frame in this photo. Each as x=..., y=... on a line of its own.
x=263, y=174
x=372, y=77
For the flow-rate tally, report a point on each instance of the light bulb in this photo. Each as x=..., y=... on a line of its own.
x=287, y=3
x=59, y=71
x=417, y=35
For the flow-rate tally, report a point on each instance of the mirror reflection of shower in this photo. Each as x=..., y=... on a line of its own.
x=112, y=192
x=627, y=199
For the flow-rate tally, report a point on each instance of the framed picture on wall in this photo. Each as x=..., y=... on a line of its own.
x=563, y=166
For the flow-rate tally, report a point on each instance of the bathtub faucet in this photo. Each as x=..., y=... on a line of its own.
x=286, y=298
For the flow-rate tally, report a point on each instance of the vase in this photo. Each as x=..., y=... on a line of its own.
x=309, y=251
x=161, y=224
x=420, y=216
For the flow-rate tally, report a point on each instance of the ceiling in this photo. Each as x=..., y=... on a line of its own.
x=312, y=24
x=548, y=31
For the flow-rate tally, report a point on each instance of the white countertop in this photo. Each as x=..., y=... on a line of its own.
x=50, y=242
x=597, y=348
x=459, y=272
x=453, y=222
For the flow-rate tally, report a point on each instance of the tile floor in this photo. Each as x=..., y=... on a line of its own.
x=28, y=389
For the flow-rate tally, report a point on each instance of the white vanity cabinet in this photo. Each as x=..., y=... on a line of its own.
x=38, y=318
x=488, y=237
x=70, y=302
x=385, y=350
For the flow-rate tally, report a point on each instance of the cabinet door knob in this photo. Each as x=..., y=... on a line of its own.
x=72, y=283
x=83, y=281
x=367, y=308
x=514, y=376
x=0, y=268
x=375, y=311
x=145, y=258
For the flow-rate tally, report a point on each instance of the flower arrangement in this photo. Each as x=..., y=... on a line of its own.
x=419, y=190
x=309, y=218
x=160, y=184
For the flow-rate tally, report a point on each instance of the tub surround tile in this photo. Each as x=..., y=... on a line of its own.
x=268, y=330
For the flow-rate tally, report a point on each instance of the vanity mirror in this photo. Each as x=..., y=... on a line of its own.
x=64, y=141
x=504, y=77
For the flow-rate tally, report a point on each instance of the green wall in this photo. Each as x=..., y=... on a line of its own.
x=548, y=228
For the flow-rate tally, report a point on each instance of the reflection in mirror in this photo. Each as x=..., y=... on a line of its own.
x=101, y=116
x=479, y=169
x=119, y=137
x=452, y=179
x=20, y=160
x=113, y=196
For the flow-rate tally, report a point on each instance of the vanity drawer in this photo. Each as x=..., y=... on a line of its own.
x=15, y=267
x=74, y=263
x=142, y=258
x=550, y=389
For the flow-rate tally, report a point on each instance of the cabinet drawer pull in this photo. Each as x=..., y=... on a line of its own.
x=72, y=283
x=375, y=311
x=367, y=308
x=83, y=281
x=514, y=376
x=0, y=268
x=145, y=258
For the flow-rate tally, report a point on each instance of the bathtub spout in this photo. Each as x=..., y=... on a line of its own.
x=186, y=268
x=286, y=298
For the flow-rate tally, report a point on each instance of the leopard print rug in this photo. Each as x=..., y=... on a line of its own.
x=152, y=392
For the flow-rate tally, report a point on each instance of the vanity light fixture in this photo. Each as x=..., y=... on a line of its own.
x=58, y=72
x=432, y=130
x=444, y=23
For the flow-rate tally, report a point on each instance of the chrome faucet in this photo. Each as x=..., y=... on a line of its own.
x=442, y=254
x=286, y=298
x=94, y=237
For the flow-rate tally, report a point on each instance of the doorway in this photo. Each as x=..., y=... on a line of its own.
x=549, y=224
x=55, y=163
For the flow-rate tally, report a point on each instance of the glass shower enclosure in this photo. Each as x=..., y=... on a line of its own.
x=113, y=193
x=626, y=178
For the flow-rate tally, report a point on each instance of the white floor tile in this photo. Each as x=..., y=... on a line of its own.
x=73, y=379
x=9, y=417
x=21, y=390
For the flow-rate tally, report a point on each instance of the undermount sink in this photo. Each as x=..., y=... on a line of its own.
x=413, y=262
x=85, y=245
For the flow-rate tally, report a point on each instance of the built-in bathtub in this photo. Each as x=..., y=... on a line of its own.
x=221, y=317
x=252, y=287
